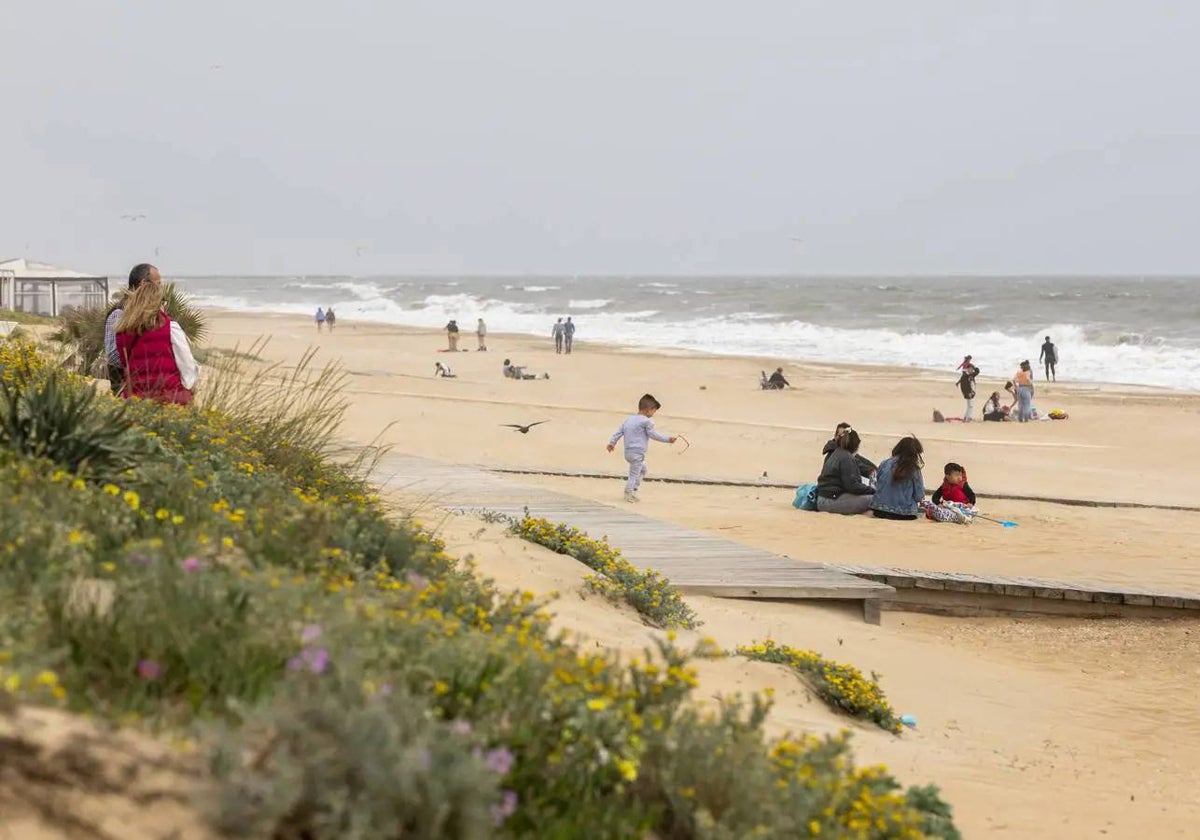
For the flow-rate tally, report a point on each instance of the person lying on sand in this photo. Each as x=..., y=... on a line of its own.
x=512, y=371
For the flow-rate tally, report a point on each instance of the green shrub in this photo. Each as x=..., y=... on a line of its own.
x=841, y=686
x=61, y=419
x=646, y=591
x=329, y=760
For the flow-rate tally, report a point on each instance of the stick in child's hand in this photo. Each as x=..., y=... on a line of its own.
x=686, y=444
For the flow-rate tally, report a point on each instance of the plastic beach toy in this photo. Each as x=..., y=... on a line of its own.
x=909, y=721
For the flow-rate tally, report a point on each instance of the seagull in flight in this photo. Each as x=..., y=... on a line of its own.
x=133, y=217
x=523, y=429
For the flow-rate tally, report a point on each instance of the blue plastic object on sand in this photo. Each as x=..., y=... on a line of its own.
x=909, y=721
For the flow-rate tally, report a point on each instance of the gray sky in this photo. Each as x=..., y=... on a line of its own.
x=963, y=136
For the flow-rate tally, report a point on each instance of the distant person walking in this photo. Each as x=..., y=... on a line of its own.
x=452, y=336
x=320, y=318
x=1049, y=356
x=1023, y=379
x=330, y=318
x=481, y=334
x=558, y=332
x=568, y=335
x=966, y=384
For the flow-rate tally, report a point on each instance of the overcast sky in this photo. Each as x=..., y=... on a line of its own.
x=669, y=136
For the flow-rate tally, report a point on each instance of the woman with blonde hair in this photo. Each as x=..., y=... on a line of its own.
x=154, y=350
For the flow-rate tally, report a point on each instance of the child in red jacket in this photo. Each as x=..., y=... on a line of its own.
x=955, y=490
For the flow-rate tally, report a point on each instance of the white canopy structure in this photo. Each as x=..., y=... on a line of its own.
x=44, y=289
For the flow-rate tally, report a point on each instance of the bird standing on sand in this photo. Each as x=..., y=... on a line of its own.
x=524, y=429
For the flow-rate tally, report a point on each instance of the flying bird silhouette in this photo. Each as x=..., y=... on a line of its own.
x=523, y=429
x=133, y=217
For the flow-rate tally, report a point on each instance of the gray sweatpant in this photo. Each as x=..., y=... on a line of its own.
x=847, y=503
x=637, y=471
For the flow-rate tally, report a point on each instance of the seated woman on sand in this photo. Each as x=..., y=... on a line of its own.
x=865, y=466
x=992, y=410
x=841, y=487
x=900, y=487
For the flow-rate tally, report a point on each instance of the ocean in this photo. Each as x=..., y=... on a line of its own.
x=1126, y=330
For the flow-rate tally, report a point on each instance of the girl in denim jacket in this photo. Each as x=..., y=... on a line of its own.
x=899, y=485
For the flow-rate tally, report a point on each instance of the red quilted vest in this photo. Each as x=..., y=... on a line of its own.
x=149, y=363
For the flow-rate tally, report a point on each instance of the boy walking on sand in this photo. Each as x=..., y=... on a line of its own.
x=638, y=431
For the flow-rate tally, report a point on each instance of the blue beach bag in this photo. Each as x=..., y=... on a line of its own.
x=806, y=497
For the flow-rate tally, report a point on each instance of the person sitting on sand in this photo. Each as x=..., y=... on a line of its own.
x=900, y=488
x=991, y=409
x=512, y=371
x=776, y=381
x=866, y=467
x=841, y=487
x=955, y=491
x=443, y=371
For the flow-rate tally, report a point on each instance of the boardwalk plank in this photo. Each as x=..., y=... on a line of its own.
x=695, y=562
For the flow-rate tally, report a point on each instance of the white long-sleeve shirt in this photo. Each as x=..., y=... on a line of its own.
x=181, y=349
x=638, y=431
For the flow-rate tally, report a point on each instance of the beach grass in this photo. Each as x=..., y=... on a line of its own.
x=227, y=581
x=28, y=318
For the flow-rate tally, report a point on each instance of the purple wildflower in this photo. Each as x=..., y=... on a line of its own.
x=499, y=761
x=310, y=633
x=192, y=564
x=310, y=659
x=505, y=808
x=385, y=690
x=316, y=659
x=149, y=670
x=461, y=727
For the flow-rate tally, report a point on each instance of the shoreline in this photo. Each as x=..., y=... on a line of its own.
x=1080, y=388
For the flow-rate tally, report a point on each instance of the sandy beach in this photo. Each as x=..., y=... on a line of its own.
x=1033, y=728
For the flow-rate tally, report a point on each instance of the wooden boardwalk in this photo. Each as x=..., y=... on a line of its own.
x=695, y=562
